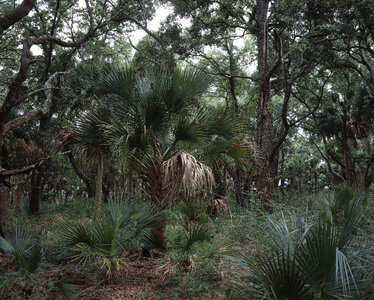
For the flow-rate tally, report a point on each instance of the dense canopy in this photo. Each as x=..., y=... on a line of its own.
x=184, y=148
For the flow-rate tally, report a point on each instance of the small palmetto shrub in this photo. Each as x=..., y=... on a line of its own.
x=103, y=242
x=26, y=254
x=305, y=259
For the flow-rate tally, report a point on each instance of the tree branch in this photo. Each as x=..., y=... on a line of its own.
x=17, y=14
x=37, y=111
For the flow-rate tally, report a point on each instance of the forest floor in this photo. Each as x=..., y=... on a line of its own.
x=147, y=277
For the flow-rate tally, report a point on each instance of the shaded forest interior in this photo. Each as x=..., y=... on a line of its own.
x=186, y=149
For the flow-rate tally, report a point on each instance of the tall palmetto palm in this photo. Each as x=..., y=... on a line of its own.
x=158, y=127
x=89, y=135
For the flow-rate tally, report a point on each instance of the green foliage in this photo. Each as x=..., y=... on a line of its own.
x=27, y=255
x=104, y=241
x=193, y=234
x=205, y=280
x=306, y=259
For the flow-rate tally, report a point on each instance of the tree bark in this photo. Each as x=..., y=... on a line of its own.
x=264, y=133
x=16, y=15
x=99, y=185
x=82, y=176
x=36, y=192
x=19, y=196
x=220, y=180
x=347, y=165
x=4, y=206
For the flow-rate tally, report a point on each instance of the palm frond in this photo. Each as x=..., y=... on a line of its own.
x=90, y=126
x=118, y=80
x=183, y=172
x=279, y=274
x=194, y=234
x=75, y=233
x=119, y=213
x=185, y=86
x=27, y=255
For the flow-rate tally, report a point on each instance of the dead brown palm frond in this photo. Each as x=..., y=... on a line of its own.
x=154, y=185
x=217, y=207
x=246, y=142
x=183, y=173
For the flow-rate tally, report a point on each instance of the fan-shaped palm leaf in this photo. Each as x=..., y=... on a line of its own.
x=105, y=241
x=27, y=255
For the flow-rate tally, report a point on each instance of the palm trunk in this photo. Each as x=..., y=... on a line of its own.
x=99, y=185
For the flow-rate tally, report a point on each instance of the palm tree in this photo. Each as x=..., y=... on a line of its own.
x=157, y=127
x=89, y=135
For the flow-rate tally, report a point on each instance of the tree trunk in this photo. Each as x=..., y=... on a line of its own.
x=19, y=197
x=4, y=206
x=238, y=187
x=80, y=174
x=99, y=185
x=36, y=192
x=220, y=182
x=264, y=133
x=106, y=192
x=274, y=169
x=247, y=189
x=282, y=179
x=347, y=164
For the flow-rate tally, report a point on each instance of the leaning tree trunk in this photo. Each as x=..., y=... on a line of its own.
x=99, y=184
x=86, y=180
x=264, y=132
x=36, y=192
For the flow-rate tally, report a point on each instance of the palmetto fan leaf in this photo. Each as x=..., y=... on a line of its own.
x=306, y=260
x=119, y=80
x=120, y=214
x=90, y=126
x=77, y=233
x=105, y=240
x=27, y=255
x=316, y=257
x=185, y=86
x=279, y=274
x=193, y=234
